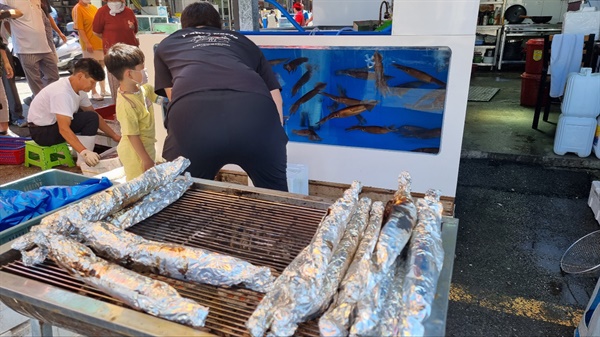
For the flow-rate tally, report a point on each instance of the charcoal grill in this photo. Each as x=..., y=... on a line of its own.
x=264, y=227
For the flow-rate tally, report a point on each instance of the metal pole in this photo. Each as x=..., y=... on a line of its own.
x=249, y=15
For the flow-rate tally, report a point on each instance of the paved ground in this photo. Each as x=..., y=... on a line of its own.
x=515, y=222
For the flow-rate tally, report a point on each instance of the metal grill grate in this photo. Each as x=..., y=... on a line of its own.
x=263, y=232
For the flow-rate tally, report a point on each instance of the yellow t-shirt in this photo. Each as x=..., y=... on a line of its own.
x=135, y=113
x=84, y=19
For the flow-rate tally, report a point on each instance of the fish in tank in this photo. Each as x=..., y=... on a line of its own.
x=389, y=98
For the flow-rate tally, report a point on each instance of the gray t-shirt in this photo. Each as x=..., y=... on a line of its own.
x=202, y=59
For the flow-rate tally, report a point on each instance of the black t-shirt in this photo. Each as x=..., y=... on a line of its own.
x=202, y=59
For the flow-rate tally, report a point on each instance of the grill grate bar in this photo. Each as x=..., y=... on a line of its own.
x=265, y=233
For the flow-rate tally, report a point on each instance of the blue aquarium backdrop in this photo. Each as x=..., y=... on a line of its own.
x=385, y=98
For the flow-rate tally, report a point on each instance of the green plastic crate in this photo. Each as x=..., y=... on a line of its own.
x=46, y=178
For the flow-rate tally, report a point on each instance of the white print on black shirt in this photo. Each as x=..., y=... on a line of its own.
x=203, y=39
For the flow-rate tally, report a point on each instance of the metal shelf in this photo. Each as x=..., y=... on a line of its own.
x=484, y=64
x=485, y=47
x=488, y=27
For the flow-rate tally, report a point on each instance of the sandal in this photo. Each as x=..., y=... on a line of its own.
x=97, y=97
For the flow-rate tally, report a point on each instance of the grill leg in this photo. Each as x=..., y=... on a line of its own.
x=40, y=328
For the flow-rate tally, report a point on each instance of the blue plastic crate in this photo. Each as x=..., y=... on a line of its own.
x=46, y=178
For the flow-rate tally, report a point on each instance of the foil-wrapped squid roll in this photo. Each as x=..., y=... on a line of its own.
x=398, y=226
x=152, y=203
x=369, y=309
x=340, y=315
x=140, y=292
x=338, y=265
x=100, y=205
x=291, y=298
x=425, y=259
x=393, y=303
x=174, y=260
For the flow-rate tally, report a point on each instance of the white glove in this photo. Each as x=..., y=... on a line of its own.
x=91, y=158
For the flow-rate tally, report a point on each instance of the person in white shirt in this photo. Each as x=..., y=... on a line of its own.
x=62, y=110
x=31, y=44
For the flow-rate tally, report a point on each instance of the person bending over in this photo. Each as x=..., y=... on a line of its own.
x=134, y=108
x=225, y=101
x=62, y=110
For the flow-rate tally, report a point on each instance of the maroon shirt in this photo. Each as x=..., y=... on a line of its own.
x=115, y=29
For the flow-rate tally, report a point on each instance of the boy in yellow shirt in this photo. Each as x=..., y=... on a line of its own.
x=134, y=108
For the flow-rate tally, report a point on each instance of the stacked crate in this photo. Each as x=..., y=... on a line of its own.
x=12, y=150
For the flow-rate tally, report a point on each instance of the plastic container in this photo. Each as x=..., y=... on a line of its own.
x=533, y=57
x=45, y=178
x=297, y=178
x=530, y=84
x=12, y=150
x=596, y=144
x=107, y=112
x=582, y=94
x=574, y=134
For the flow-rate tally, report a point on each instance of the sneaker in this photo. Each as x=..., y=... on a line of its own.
x=96, y=97
x=21, y=122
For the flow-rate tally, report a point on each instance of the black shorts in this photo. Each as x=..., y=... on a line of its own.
x=215, y=128
x=84, y=123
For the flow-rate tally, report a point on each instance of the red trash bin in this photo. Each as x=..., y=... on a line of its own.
x=533, y=60
x=530, y=84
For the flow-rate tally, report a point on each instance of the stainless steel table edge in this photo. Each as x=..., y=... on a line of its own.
x=435, y=325
x=123, y=321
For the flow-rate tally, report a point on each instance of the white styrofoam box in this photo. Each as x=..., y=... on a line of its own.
x=581, y=94
x=594, y=199
x=574, y=134
x=9, y=319
x=596, y=144
x=582, y=22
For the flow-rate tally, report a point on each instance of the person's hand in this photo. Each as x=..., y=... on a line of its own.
x=91, y=158
x=116, y=138
x=9, y=70
x=62, y=37
x=89, y=48
x=147, y=164
x=131, y=26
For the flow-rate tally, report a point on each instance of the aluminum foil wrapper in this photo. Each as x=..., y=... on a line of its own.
x=399, y=225
x=394, y=303
x=425, y=259
x=369, y=309
x=173, y=260
x=152, y=203
x=100, y=205
x=140, y=292
x=337, y=320
x=295, y=291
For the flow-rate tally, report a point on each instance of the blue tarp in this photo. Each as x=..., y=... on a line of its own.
x=18, y=206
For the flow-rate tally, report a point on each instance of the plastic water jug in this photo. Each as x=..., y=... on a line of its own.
x=574, y=134
x=596, y=145
x=582, y=98
x=297, y=178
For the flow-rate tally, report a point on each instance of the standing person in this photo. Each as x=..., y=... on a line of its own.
x=299, y=16
x=15, y=107
x=134, y=109
x=8, y=71
x=31, y=44
x=62, y=109
x=114, y=23
x=91, y=45
x=233, y=115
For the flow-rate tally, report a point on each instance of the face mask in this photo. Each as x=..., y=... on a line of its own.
x=144, y=77
x=115, y=7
